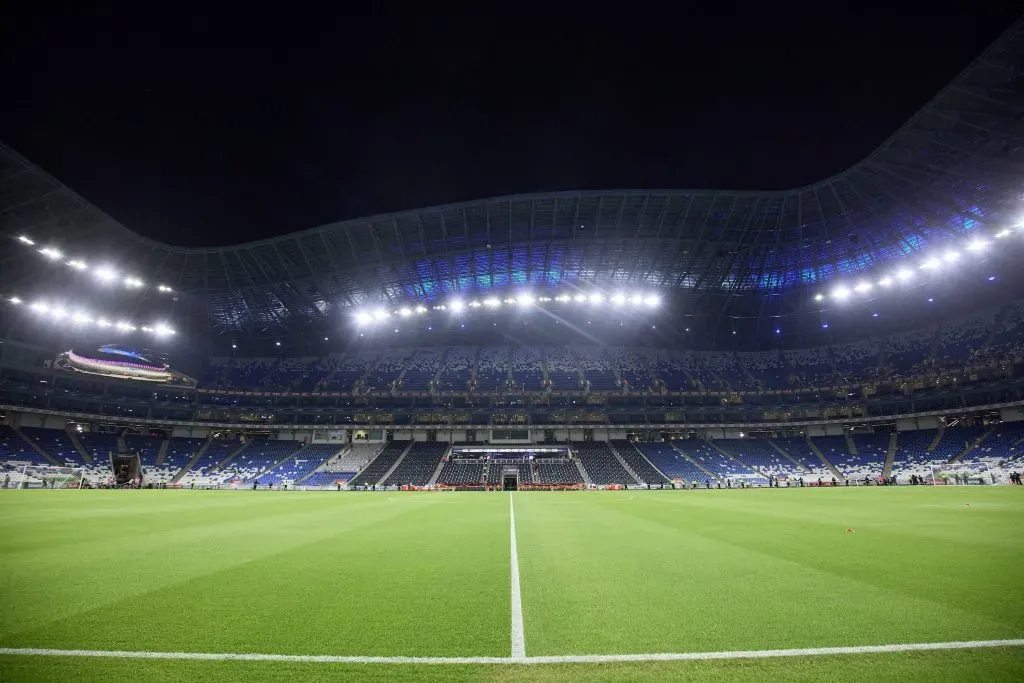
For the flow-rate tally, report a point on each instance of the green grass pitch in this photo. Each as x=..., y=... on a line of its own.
x=428, y=575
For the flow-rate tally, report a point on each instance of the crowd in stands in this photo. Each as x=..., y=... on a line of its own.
x=857, y=456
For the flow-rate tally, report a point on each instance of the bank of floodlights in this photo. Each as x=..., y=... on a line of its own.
x=104, y=273
x=931, y=265
x=76, y=318
x=521, y=300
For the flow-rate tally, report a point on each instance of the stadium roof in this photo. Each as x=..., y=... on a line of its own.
x=954, y=167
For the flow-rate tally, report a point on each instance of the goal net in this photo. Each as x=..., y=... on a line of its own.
x=43, y=477
x=961, y=474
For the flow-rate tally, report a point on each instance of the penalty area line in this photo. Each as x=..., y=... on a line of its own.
x=555, y=659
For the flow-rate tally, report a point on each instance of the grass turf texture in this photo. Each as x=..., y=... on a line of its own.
x=428, y=575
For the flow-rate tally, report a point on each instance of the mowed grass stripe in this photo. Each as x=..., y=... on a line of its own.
x=683, y=572
x=345, y=574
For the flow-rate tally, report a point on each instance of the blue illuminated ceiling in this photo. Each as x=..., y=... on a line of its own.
x=954, y=168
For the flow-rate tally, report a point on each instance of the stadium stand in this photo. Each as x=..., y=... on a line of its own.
x=381, y=464
x=418, y=465
x=599, y=460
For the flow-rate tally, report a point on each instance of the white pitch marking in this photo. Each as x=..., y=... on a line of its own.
x=518, y=636
x=554, y=659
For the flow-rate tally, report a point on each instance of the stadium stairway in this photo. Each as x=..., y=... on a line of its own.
x=35, y=446
x=890, y=455
x=231, y=456
x=625, y=465
x=80, y=448
x=162, y=452
x=851, y=446
x=397, y=463
x=639, y=464
x=286, y=458
x=192, y=461
x=583, y=472
x=437, y=473
x=741, y=464
x=821, y=456
x=696, y=464
x=787, y=456
x=971, y=446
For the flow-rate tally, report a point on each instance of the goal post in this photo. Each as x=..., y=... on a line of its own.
x=43, y=477
x=962, y=474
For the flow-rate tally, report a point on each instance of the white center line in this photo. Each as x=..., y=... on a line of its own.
x=518, y=638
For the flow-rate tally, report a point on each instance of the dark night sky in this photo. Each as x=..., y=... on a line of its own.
x=206, y=130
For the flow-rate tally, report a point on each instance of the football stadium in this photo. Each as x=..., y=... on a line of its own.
x=595, y=435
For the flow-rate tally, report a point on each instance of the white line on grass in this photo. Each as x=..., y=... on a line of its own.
x=518, y=636
x=555, y=659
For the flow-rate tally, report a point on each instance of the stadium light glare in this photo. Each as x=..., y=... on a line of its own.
x=819, y=297
x=162, y=330
x=363, y=318
x=636, y=299
x=619, y=299
x=863, y=287
x=133, y=282
x=51, y=253
x=950, y=256
x=25, y=240
x=579, y=298
x=421, y=310
x=164, y=288
x=931, y=264
x=904, y=274
x=15, y=300
x=106, y=274
x=841, y=293
x=596, y=298
x=1002, y=233
x=525, y=300
x=380, y=314
x=40, y=307
x=123, y=325
x=103, y=322
x=456, y=306
x=492, y=302
x=77, y=265
x=563, y=298
x=81, y=317
x=474, y=304
x=652, y=301
x=59, y=313
x=885, y=281
x=404, y=312
x=977, y=245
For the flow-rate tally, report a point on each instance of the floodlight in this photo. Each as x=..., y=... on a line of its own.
x=474, y=304
x=59, y=313
x=579, y=298
x=819, y=297
x=456, y=306
x=931, y=264
x=162, y=330
x=40, y=307
x=380, y=314
x=863, y=287
x=619, y=299
x=106, y=273
x=123, y=325
x=841, y=293
x=50, y=253
x=22, y=238
x=81, y=317
x=904, y=274
x=164, y=288
x=133, y=282
x=525, y=300
x=652, y=301
x=277, y=343
x=636, y=299
x=950, y=256
x=421, y=309
x=885, y=281
x=404, y=312
x=364, y=318
x=77, y=265
x=15, y=300
x=596, y=298
x=1002, y=233
x=977, y=245
x=563, y=298
x=492, y=302
x=102, y=322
